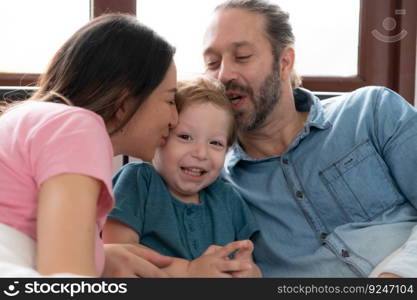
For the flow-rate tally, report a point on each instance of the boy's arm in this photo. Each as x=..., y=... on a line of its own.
x=125, y=257
x=116, y=232
x=213, y=263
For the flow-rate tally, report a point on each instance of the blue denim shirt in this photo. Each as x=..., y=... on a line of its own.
x=344, y=194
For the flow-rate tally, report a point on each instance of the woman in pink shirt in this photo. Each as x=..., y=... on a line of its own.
x=109, y=90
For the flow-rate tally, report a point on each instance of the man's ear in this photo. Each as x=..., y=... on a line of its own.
x=286, y=65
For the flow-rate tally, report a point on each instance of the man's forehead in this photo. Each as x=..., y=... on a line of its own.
x=235, y=19
x=237, y=27
x=232, y=46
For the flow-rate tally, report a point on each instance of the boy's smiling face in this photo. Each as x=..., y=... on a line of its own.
x=194, y=153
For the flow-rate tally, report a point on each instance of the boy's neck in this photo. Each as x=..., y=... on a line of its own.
x=194, y=198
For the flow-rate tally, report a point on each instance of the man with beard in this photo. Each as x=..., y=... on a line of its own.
x=331, y=183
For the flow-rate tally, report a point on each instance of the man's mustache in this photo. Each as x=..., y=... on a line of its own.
x=235, y=86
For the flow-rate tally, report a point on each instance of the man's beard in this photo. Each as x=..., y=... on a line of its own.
x=263, y=104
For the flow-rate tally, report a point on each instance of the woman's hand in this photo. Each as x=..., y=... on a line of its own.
x=388, y=275
x=129, y=260
x=245, y=255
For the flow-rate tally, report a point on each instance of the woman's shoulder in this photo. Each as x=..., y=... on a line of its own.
x=49, y=111
x=36, y=115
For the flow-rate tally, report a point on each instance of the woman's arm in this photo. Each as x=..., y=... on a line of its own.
x=66, y=224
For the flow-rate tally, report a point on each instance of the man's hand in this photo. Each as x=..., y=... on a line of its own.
x=128, y=260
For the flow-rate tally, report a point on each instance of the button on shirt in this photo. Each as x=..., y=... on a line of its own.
x=344, y=194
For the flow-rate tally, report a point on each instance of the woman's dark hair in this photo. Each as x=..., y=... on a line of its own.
x=110, y=57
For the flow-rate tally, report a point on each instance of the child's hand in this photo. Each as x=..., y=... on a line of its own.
x=244, y=254
x=215, y=262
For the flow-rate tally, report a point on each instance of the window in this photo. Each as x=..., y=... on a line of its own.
x=337, y=54
x=324, y=50
x=32, y=31
x=340, y=44
x=369, y=51
x=32, y=35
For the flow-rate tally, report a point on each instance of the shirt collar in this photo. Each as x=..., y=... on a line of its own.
x=304, y=101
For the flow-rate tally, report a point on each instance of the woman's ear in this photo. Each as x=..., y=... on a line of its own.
x=287, y=59
x=122, y=109
x=124, y=106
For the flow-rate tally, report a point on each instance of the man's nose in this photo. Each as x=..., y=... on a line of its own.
x=226, y=72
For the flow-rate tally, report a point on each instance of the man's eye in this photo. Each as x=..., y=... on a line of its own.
x=211, y=64
x=171, y=102
x=243, y=57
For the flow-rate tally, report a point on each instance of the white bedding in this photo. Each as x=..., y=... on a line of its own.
x=18, y=255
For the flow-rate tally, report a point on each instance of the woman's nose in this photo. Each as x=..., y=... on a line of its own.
x=174, y=118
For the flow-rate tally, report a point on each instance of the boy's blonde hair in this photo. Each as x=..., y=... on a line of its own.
x=205, y=90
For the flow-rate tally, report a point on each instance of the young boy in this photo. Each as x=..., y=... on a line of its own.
x=179, y=207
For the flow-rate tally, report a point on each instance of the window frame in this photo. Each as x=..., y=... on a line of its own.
x=389, y=64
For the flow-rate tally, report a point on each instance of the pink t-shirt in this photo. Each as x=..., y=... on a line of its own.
x=39, y=140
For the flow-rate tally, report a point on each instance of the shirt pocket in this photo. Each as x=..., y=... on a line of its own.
x=360, y=183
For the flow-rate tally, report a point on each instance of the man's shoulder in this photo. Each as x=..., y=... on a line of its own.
x=368, y=93
x=362, y=99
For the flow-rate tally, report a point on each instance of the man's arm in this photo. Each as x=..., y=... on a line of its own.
x=396, y=123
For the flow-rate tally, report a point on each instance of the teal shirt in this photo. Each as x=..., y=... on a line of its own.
x=173, y=227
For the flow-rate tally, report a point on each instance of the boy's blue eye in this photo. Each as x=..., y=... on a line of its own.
x=184, y=137
x=217, y=143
